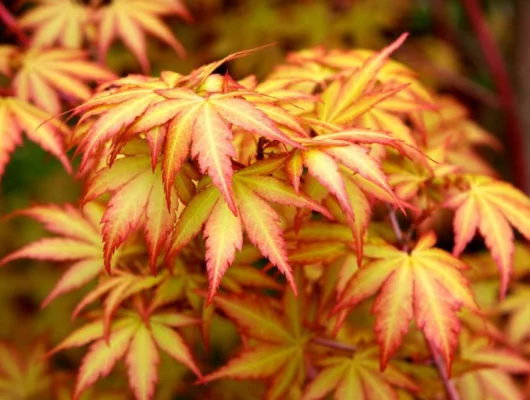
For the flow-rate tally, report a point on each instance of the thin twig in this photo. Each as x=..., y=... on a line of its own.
x=11, y=24
x=397, y=229
x=493, y=57
x=311, y=372
x=440, y=367
x=333, y=344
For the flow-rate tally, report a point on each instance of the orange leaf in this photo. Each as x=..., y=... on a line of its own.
x=45, y=74
x=357, y=377
x=137, y=192
x=79, y=242
x=128, y=19
x=224, y=235
x=425, y=284
x=491, y=207
x=17, y=116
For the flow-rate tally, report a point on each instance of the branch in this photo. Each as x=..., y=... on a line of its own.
x=402, y=240
x=311, y=372
x=333, y=344
x=11, y=24
x=440, y=367
x=492, y=54
x=522, y=66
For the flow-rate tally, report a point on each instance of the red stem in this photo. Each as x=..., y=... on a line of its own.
x=401, y=238
x=11, y=24
x=440, y=367
x=492, y=54
x=333, y=344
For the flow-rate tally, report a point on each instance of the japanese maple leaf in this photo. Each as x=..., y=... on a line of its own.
x=278, y=355
x=360, y=81
x=354, y=93
x=17, y=116
x=451, y=127
x=137, y=199
x=425, y=285
x=185, y=282
x=114, y=291
x=413, y=181
x=517, y=306
x=24, y=374
x=362, y=89
x=357, y=377
x=182, y=121
x=223, y=230
x=204, y=125
x=78, y=241
x=45, y=75
x=334, y=251
x=130, y=19
x=336, y=61
x=111, y=111
x=138, y=341
x=493, y=367
x=56, y=21
x=332, y=158
x=69, y=23
x=490, y=206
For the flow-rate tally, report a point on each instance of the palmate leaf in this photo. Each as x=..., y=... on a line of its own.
x=425, y=285
x=353, y=94
x=56, y=21
x=68, y=23
x=357, y=377
x=318, y=65
x=282, y=338
x=78, y=242
x=115, y=109
x=418, y=183
x=362, y=89
x=449, y=126
x=334, y=251
x=137, y=199
x=205, y=125
x=17, y=116
x=223, y=230
x=187, y=121
x=332, y=158
x=517, y=306
x=344, y=145
x=185, y=282
x=490, y=206
x=24, y=374
x=130, y=19
x=492, y=369
x=115, y=291
x=44, y=76
x=139, y=342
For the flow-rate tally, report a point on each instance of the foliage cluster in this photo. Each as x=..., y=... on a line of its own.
x=299, y=211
